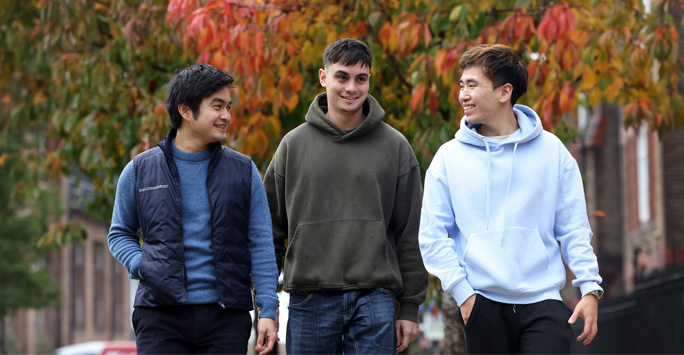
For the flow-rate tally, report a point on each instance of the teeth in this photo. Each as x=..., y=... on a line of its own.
x=467, y=107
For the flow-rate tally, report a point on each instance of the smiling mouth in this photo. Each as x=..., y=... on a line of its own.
x=222, y=126
x=349, y=97
x=469, y=107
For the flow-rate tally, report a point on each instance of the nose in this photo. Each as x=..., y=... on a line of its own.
x=225, y=114
x=464, y=95
x=351, y=86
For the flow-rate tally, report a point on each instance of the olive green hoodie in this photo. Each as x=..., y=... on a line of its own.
x=348, y=205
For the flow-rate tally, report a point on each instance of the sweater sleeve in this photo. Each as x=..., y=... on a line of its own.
x=572, y=229
x=404, y=223
x=436, y=223
x=264, y=270
x=274, y=184
x=123, y=239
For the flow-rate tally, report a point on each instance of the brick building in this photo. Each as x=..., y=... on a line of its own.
x=95, y=290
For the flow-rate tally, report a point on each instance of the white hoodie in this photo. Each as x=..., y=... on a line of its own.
x=498, y=215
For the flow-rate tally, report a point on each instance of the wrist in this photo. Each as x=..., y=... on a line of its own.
x=596, y=293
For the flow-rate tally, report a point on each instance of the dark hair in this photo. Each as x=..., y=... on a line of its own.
x=347, y=51
x=500, y=64
x=190, y=86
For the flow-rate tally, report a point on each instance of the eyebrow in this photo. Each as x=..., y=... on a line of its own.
x=469, y=81
x=365, y=75
x=218, y=99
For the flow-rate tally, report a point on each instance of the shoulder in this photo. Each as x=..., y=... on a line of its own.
x=148, y=154
x=391, y=133
x=235, y=155
x=300, y=132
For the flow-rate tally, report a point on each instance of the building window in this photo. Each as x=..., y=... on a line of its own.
x=643, y=190
x=78, y=285
x=99, y=258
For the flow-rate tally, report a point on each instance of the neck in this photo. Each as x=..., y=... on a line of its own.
x=188, y=145
x=346, y=121
x=505, y=126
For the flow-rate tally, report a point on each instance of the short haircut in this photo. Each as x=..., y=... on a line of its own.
x=500, y=64
x=190, y=86
x=347, y=51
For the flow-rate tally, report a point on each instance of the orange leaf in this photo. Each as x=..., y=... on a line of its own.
x=3, y=159
x=417, y=97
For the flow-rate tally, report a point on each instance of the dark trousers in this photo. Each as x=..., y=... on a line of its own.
x=500, y=328
x=191, y=329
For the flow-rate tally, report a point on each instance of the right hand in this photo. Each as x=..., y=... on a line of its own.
x=467, y=307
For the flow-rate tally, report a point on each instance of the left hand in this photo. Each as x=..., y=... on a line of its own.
x=407, y=331
x=267, y=336
x=587, y=308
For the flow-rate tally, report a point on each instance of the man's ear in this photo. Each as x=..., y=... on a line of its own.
x=185, y=111
x=321, y=76
x=506, y=92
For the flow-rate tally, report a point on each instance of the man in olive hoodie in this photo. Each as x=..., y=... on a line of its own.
x=344, y=192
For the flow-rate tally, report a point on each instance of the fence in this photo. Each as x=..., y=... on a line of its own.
x=648, y=321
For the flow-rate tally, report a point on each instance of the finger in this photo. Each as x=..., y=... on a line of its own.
x=414, y=335
x=399, y=336
x=259, y=342
x=404, y=344
x=269, y=346
x=591, y=333
x=573, y=318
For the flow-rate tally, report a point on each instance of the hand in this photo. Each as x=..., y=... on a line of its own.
x=267, y=336
x=587, y=308
x=407, y=331
x=467, y=307
x=277, y=320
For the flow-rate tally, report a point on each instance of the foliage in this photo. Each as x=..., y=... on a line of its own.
x=91, y=75
x=587, y=46
x=24, y=281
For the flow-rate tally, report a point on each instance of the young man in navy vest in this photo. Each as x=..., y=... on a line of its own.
x=203, y=215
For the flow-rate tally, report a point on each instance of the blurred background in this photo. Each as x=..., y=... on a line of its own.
x=82, y=89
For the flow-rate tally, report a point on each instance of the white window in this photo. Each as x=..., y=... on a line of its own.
x=643, y=189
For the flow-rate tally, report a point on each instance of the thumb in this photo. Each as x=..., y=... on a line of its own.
x=260, y=340
x=573, y=317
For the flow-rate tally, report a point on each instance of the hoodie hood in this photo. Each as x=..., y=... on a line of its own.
x=319, y=107
x=528, y=120
x=530, y=128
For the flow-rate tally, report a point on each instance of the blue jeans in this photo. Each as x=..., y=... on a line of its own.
x=353, y=322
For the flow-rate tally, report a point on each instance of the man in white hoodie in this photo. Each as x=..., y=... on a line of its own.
x=503, y=207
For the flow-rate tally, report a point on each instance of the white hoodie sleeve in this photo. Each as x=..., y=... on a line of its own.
x=572, y=229
x=436, y=223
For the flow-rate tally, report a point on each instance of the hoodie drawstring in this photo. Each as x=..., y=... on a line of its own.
x=508, y=188
x=489, y=178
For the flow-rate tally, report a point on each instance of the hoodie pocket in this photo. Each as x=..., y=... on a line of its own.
x=337, y=255
x=513, y=259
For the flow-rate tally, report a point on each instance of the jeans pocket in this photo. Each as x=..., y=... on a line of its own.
x=300, y=299
x=385, y=291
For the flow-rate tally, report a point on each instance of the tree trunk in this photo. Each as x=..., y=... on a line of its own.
x=454, y=339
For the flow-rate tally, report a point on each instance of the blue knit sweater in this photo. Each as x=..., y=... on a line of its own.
x=199, y=259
